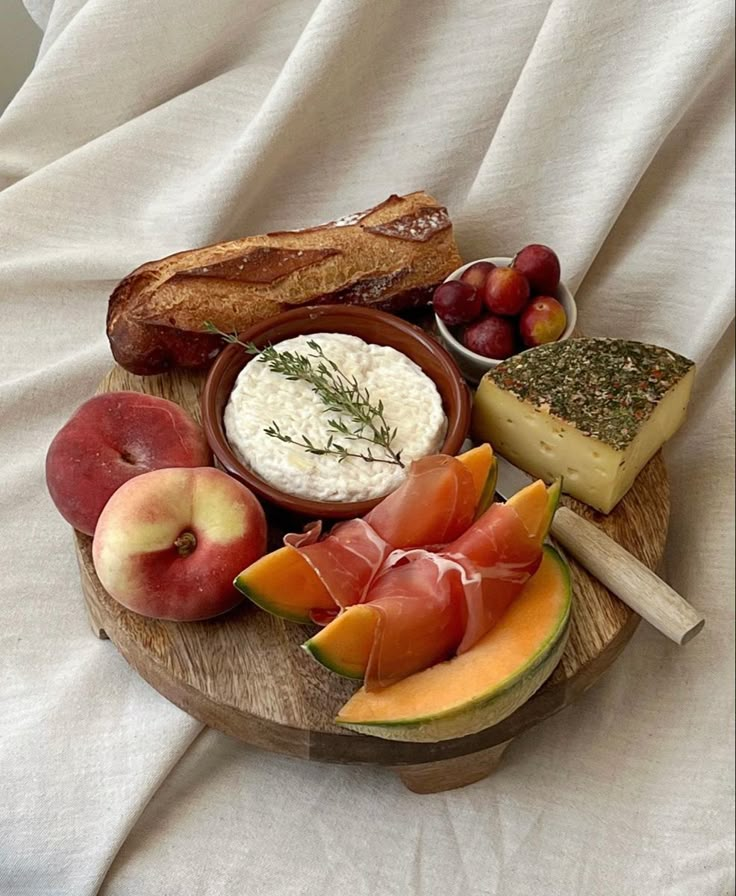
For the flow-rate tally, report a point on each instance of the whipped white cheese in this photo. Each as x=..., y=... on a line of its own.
x=260, y=397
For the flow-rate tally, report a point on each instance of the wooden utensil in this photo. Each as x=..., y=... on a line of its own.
x=636, y=585
x=629, y=579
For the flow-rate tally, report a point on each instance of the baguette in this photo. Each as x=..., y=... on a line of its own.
x=390, y=257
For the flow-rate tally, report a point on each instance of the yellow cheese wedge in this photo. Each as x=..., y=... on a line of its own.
x=592, y=411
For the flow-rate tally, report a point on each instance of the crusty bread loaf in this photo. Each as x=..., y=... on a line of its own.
x=391, y=257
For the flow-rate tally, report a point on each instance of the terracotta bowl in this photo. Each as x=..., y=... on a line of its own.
x=372, y=326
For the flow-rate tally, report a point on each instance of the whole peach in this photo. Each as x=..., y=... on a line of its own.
x=110, y=439
x=169, y=543
x=543, y=320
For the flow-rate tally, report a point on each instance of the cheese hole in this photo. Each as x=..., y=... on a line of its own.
x=572, y=472
x=545, y=447
x=596, y=454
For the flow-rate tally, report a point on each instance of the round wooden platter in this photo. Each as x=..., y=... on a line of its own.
x=244, y=674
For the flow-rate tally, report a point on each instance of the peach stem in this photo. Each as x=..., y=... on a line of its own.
x=185, y=544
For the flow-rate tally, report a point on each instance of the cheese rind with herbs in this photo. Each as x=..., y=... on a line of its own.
x=593, y=411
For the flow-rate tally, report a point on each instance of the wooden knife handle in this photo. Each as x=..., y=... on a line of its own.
x=632, y=582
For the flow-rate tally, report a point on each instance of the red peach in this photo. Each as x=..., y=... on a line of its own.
x=543, y=320
x=110, y=439
x=169, y=543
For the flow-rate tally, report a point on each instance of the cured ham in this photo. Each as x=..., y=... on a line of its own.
x=435, y=504
x=421, y=616
x=346, y=561
x=505, y=555
x=430, y=605
x=435, y=605
x=417, y=580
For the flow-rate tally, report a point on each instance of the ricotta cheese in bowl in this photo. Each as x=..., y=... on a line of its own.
x=262, y=397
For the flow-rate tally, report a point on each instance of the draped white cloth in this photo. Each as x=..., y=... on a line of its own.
x=604, y=129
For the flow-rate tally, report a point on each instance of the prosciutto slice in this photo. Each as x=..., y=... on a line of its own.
x=434, y=504
x=436, y=580
x=434, y=605
x=505, y=555
x=346, y=561
x=420, y=603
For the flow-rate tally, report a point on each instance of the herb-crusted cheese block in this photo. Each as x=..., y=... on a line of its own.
x=593, y=411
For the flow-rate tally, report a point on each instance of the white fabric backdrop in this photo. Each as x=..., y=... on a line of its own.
x=604, y=129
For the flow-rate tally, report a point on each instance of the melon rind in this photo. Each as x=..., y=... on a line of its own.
x=314, y=646
x=256, y=582
x=329, y=663
x=489, y=489
x=281, y=611
x=489, y=707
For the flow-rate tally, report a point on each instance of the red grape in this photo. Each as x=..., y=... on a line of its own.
x=456, y=303
x=541, y=267
x=477, y=274
x=543, y=320
x=492, y=337
x=506, y=291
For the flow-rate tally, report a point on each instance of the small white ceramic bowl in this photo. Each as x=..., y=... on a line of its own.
x=472, y=365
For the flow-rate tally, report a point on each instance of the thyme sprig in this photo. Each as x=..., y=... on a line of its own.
x=341, y=394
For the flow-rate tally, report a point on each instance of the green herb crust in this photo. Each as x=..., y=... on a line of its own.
x=606, y=388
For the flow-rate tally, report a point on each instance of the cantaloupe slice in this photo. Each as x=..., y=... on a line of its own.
x=536, y=505
x=484, y=685
x=484, y=467
x=344, y=646
x=284, y=584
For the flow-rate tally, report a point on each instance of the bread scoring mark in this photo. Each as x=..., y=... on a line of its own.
x=417, y=227
x=357, y=217
x=265, y=264
x=345, y=220
x=368, y=290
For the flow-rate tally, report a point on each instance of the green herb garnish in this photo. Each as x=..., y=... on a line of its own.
x=339, y=393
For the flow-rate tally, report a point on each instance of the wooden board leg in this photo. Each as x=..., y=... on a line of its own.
x=448, y=774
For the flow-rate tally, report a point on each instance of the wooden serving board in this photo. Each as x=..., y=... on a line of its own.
x=244, y=674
